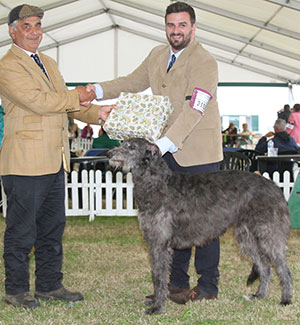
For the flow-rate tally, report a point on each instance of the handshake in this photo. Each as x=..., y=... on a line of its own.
x=86, y=94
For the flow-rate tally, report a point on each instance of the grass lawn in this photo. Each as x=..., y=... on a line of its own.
x=107, y=261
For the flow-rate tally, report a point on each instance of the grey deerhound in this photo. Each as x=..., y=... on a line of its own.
x=181, y=211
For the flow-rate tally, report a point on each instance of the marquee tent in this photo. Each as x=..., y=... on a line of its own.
x=255, y=42
x=252, y=40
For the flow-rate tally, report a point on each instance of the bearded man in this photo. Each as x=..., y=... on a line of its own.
x=191, y=142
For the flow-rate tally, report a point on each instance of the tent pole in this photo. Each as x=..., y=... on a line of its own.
x=116, y=50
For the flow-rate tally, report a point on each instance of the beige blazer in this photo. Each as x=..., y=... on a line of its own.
x=198, y=139
x=36, y=119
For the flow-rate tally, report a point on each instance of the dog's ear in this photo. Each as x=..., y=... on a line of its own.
x=152, y=152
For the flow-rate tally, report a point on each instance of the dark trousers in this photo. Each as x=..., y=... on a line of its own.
x=206, y=257
x=35, y=218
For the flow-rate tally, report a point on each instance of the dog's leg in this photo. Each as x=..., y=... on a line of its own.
x=286, y=282
x=265, y=272
x=272, y=248
x=160, y=262
x=269, y=249
x=251, y=248
x=278, y=259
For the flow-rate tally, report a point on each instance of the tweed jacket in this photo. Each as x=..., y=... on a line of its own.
x=36, y=120
x=197, y=137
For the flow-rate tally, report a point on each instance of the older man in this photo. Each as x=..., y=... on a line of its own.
x=281, y=139
x=34, y=154
x=284, y=143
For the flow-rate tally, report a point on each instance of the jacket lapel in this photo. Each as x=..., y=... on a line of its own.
x=49, y=70
x=30, y=63
x=184, y=55
x=163, y=60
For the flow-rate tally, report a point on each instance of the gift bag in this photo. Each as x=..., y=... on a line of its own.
x=138, y=116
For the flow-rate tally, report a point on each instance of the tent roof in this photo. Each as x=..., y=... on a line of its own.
x=262, y=36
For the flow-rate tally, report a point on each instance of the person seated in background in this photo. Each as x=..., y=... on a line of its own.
x=282, y=140
x=284, y=113
x=244, y=136
x=103, y=141
x=229, y=140
x=87, y=132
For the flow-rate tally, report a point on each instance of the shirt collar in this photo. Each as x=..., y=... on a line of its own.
x=28, y=52
x=176, y=54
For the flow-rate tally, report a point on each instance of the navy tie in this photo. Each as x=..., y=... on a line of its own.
x=39, y=63
x=173, y=59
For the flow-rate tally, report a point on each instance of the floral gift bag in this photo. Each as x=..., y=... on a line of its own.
x=138, y=116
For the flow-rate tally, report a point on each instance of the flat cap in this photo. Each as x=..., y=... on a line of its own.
x=24, y=11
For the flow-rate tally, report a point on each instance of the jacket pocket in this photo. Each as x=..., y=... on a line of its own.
x=32, y=119
x=30, y=134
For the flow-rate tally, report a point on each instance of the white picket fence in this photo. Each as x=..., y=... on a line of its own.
x=98, y=194
x=286, y=185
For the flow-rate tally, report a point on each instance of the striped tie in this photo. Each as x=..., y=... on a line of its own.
x=173, y=59
x=39, y=63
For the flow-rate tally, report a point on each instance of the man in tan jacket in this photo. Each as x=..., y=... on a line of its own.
x=33, y=156
x=191, y=142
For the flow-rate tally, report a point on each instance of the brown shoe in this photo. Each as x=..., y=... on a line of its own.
x=59, y=294
x=179, y=295
x=24, y=300
x=198, y=294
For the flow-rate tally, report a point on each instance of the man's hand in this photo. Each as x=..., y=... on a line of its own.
x=86, y=95
x=104, y=111
x=90, y=87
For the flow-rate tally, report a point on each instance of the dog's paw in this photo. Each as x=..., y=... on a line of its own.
x=249, y=297
x=286, y=302
x=155, y=310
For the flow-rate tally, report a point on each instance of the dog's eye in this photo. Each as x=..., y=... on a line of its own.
x=130, y=146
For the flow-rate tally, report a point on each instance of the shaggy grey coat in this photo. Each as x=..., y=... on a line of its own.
x=181, y=211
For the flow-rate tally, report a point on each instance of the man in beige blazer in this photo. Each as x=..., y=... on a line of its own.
x=33, y=156
x=191, y=142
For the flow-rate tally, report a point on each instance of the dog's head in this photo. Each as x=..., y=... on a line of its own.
x=132, y=153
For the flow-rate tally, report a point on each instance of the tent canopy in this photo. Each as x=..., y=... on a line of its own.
x=258, y=36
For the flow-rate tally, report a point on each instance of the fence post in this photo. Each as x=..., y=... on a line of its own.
x=119, y=192
x=108, y=192
x=99, y=190
x=91, y=194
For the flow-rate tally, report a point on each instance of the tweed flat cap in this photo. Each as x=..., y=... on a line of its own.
x=24, y=11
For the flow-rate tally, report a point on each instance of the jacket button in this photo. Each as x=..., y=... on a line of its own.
x=164, y=86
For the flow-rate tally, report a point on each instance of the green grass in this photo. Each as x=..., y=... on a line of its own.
x=107, y=261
